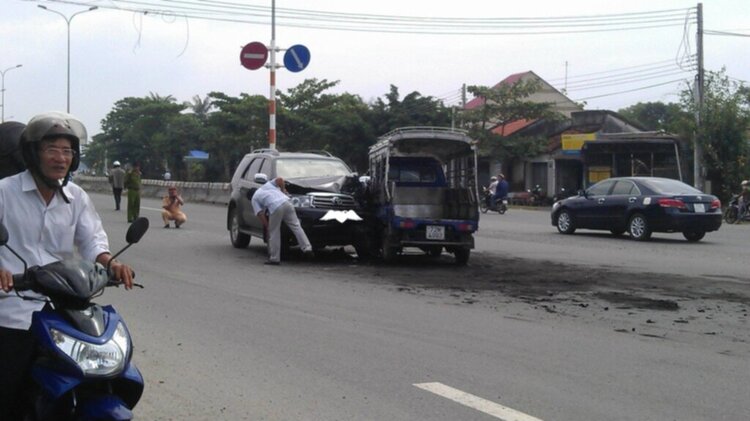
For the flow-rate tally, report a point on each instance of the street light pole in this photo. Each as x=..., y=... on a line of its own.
x=3, y=87
x=67, y=21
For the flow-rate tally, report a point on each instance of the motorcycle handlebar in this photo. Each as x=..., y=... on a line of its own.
x=20, y=283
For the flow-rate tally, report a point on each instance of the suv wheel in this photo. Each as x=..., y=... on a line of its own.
x=239, y=239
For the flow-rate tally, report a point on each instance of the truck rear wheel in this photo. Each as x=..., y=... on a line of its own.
x=462, y=255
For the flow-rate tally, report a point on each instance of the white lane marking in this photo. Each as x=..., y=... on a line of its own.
x=151, y=209
x=475, y=402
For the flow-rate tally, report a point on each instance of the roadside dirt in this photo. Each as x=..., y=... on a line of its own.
x=711, y=311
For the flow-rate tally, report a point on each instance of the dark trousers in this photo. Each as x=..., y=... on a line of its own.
x=118, y=194
x=16, y=353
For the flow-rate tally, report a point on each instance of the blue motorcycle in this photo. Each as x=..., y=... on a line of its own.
x=82, y=368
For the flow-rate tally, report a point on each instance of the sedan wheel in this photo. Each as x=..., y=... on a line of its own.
x=638, y=227
x=565, y=223
x=239, y=239
x=694, y=236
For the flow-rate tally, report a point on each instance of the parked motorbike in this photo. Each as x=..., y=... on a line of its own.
x=82, y=368
x=536, y=198
x=732, y=213
x=486, y=204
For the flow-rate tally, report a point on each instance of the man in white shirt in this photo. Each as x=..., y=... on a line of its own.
x=273, y=197
x=48, y=219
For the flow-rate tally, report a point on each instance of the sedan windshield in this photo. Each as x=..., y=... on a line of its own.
x=310, y=167
x=670, y=187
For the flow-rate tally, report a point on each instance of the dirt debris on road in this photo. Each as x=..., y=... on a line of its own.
x=652, y=305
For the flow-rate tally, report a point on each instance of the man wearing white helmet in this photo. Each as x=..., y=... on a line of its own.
x=117, y=178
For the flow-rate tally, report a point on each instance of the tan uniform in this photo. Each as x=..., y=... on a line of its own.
x=172, y=211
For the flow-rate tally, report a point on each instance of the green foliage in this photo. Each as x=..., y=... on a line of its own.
x=723, y=132
x=505, y=104
x=159, y=132
x=656, y=116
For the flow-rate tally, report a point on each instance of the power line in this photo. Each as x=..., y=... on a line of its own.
x=629, y=90
x=243, y=13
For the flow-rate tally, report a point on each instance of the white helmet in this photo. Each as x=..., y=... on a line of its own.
x=116, y=164
x=745, y=183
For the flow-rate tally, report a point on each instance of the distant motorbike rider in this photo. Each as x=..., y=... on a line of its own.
x=744, y=200
x=501, y=191
x=490, y=190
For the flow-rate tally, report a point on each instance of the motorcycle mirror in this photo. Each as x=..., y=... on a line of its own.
x=3, y=235
x=136, y=230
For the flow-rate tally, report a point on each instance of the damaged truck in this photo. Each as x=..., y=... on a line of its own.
x=423, y=192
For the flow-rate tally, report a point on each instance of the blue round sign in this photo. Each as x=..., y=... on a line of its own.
x=296, y=58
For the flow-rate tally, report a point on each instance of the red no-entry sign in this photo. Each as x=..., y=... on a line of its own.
x=254, y=55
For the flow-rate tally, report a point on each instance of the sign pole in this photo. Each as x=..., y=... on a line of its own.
x=272, y=96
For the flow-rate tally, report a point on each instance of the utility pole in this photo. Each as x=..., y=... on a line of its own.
x=272, y=94
x=697, y=146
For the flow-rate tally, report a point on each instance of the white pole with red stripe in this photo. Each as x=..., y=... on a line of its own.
x=272, y=95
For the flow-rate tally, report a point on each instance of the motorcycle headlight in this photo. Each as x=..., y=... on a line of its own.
x=93, y=359
x=301, y=201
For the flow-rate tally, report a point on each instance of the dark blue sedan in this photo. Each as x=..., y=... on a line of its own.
x=640, y=206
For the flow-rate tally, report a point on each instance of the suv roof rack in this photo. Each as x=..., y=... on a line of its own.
x=318, y=152
x=266, y=150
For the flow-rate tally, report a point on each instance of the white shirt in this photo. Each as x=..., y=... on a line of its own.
x=268, y=196
x=43, y=234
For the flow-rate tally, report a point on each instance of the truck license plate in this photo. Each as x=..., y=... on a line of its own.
x=435, y=232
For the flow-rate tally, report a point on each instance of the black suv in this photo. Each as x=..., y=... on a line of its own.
x=318, y=183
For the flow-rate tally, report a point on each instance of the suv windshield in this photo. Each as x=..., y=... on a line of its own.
x=310, y=167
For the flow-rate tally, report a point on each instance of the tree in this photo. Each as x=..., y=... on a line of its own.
x=656, y=116
x=724, y=131
x=502, y=105
x=413, y=110
x=200, y=107
x=239, y=125
x=141, y=130
x=312, y=119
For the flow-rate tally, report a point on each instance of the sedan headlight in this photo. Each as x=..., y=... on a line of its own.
x=556, y=205
x=93, y=359
x=303, y=201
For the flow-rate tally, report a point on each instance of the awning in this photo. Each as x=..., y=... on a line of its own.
x=196, y=155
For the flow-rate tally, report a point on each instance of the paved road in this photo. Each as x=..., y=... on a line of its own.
x=221, y=336
x=721, y=255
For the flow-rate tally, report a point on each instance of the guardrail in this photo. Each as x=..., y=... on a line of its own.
x=190, y=191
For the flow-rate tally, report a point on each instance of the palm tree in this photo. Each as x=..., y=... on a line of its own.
x=200, y=107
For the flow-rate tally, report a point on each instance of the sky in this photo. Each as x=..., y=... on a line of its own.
x=116, y=52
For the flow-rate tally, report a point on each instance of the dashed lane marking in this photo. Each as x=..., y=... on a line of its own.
x=480, y=404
